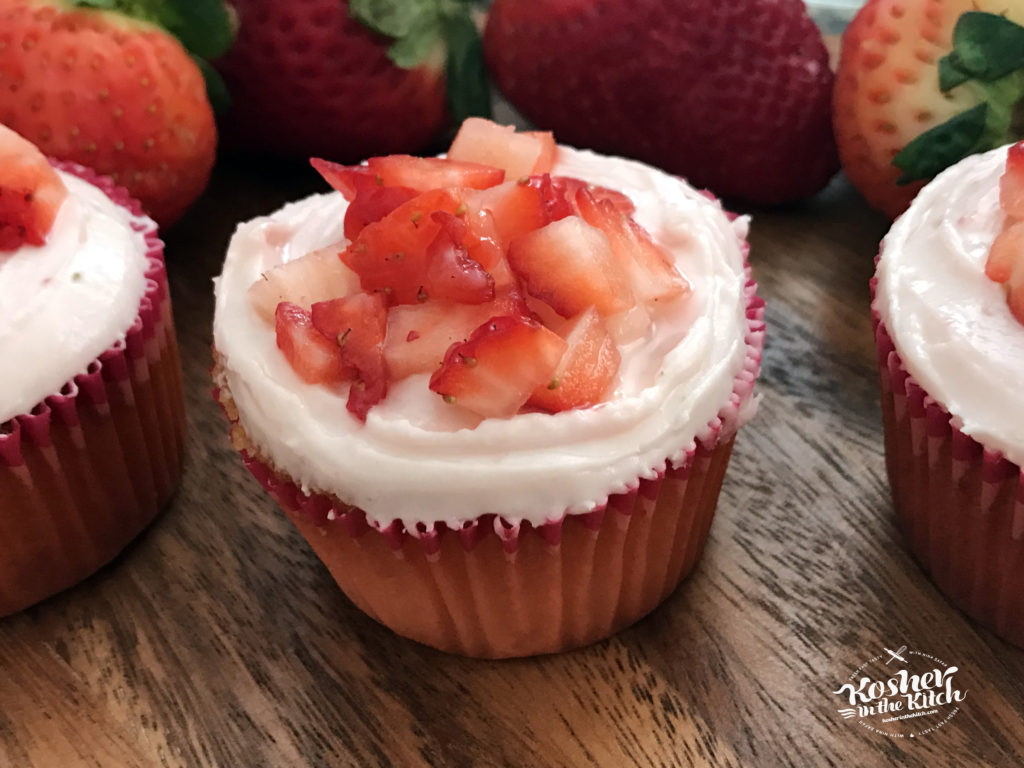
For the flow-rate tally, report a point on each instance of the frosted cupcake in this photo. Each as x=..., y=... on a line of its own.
x=496, y=392
x=949, y=311
x=91, y=413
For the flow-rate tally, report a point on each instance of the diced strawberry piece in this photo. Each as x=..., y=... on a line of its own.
x=1011, y=185
x=1007, y=250
x=570, y=265
x=652, y=275
x=586, y=370
x=518, y=154
x=344, y=178
x=316, y=359
x=419, y=334
x=372, y=203
x=356, y=324
x=31, y=192
x=317, y=276
x=495, y=371
x=1015, y=294
x=426, y=173
x=548, y=150
x=451, y=273
x=391, y=255
x=517, y=208
x=568, y=187
x=556, y=206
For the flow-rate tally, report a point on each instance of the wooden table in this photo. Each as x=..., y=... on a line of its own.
x=219, y=639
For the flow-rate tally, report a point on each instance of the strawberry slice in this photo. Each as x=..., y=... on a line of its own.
x=652, y=275
x=31, y=192
x=570, y=265
x=426, y=173
x=568, y=187
x=517, y=207
x=518, y=154
x=451, y=274
x=372, y=202
x=1015, y=291
x=587, y=368
x=1007, y=249
x=556, y=206
x=420, y=334
x=356, y=325
x=1011, y=185
x=317, y=276
x=344, y=178
x=316, y=359
x=391, y=255
x=495, y=371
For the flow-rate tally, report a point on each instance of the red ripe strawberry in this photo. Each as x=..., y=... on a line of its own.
x=1011, y=184
x=31, y=192
x=570, y=265
x=495, y=371
x=586, y=370
x=733, y=95
x=347, y=79
x=316, y=359
x=356, y=324
x=921, y=85
x=653, y=277
x=116, y=94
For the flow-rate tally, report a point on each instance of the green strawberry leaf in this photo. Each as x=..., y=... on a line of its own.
x=951, y=73
x=988, y=46
x=468, y=87
x=393, y=18
x=216, y=89
x=937, y=149
x=423, y=36
x=203, y=26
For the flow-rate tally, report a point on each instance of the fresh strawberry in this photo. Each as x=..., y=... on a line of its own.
x=519, y=154
x=735, y=95
x=315, y=358
x=344, y=178
x=420, y=334
x=1007, y=249
x=586, y=370
x=425, y=173
x=570, y=265
x=317, y=276
x=653, y=277
x=569, y=187
x=1011, y=184
x=451, y=274
x=349, y=80
x=371, y=204
x=556, y=204
x=356, y=324
x=517, y=208
x=921, y=85
x=495, y=371
x=31, y=192
x=117, y=94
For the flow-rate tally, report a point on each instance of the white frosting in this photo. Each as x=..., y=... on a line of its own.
x=951, y=324
x=415, y=459
x=64, y=303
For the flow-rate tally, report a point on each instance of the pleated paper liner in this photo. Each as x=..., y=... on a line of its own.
x=960, y=506
x=91, y=465
x=495, y=588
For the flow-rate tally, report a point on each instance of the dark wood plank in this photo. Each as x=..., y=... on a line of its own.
x=218, y=639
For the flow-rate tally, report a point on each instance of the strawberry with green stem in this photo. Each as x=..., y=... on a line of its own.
x=920, y=86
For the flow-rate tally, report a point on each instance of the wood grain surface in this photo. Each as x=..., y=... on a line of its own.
x=218, y=639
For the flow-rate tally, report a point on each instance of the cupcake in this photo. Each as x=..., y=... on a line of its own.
x=949, y=324
x=91, y=411
x=496, y=392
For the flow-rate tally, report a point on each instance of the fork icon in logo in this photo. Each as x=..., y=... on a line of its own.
x=893, y=655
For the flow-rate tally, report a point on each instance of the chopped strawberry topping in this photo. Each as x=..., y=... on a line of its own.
x=316, y=359
x=317, y=276
x=356, y=324
x=586, y=370
x=1006, y=257
x=425, y=173
x=570, y=265
x=451, y=273
x=372, y=203
x=495, y=371
x=517, y=208
x=568, y=187
x=518, y=154
x=31, y=192
x=1011, y=185
x=344, y=178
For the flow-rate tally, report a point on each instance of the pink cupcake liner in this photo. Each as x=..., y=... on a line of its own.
x=89, y=466
x=960, y=506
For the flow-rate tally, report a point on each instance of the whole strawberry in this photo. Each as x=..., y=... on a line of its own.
x=348, y=80
x=118, y=94
x=922, y=84
x=735, y=96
